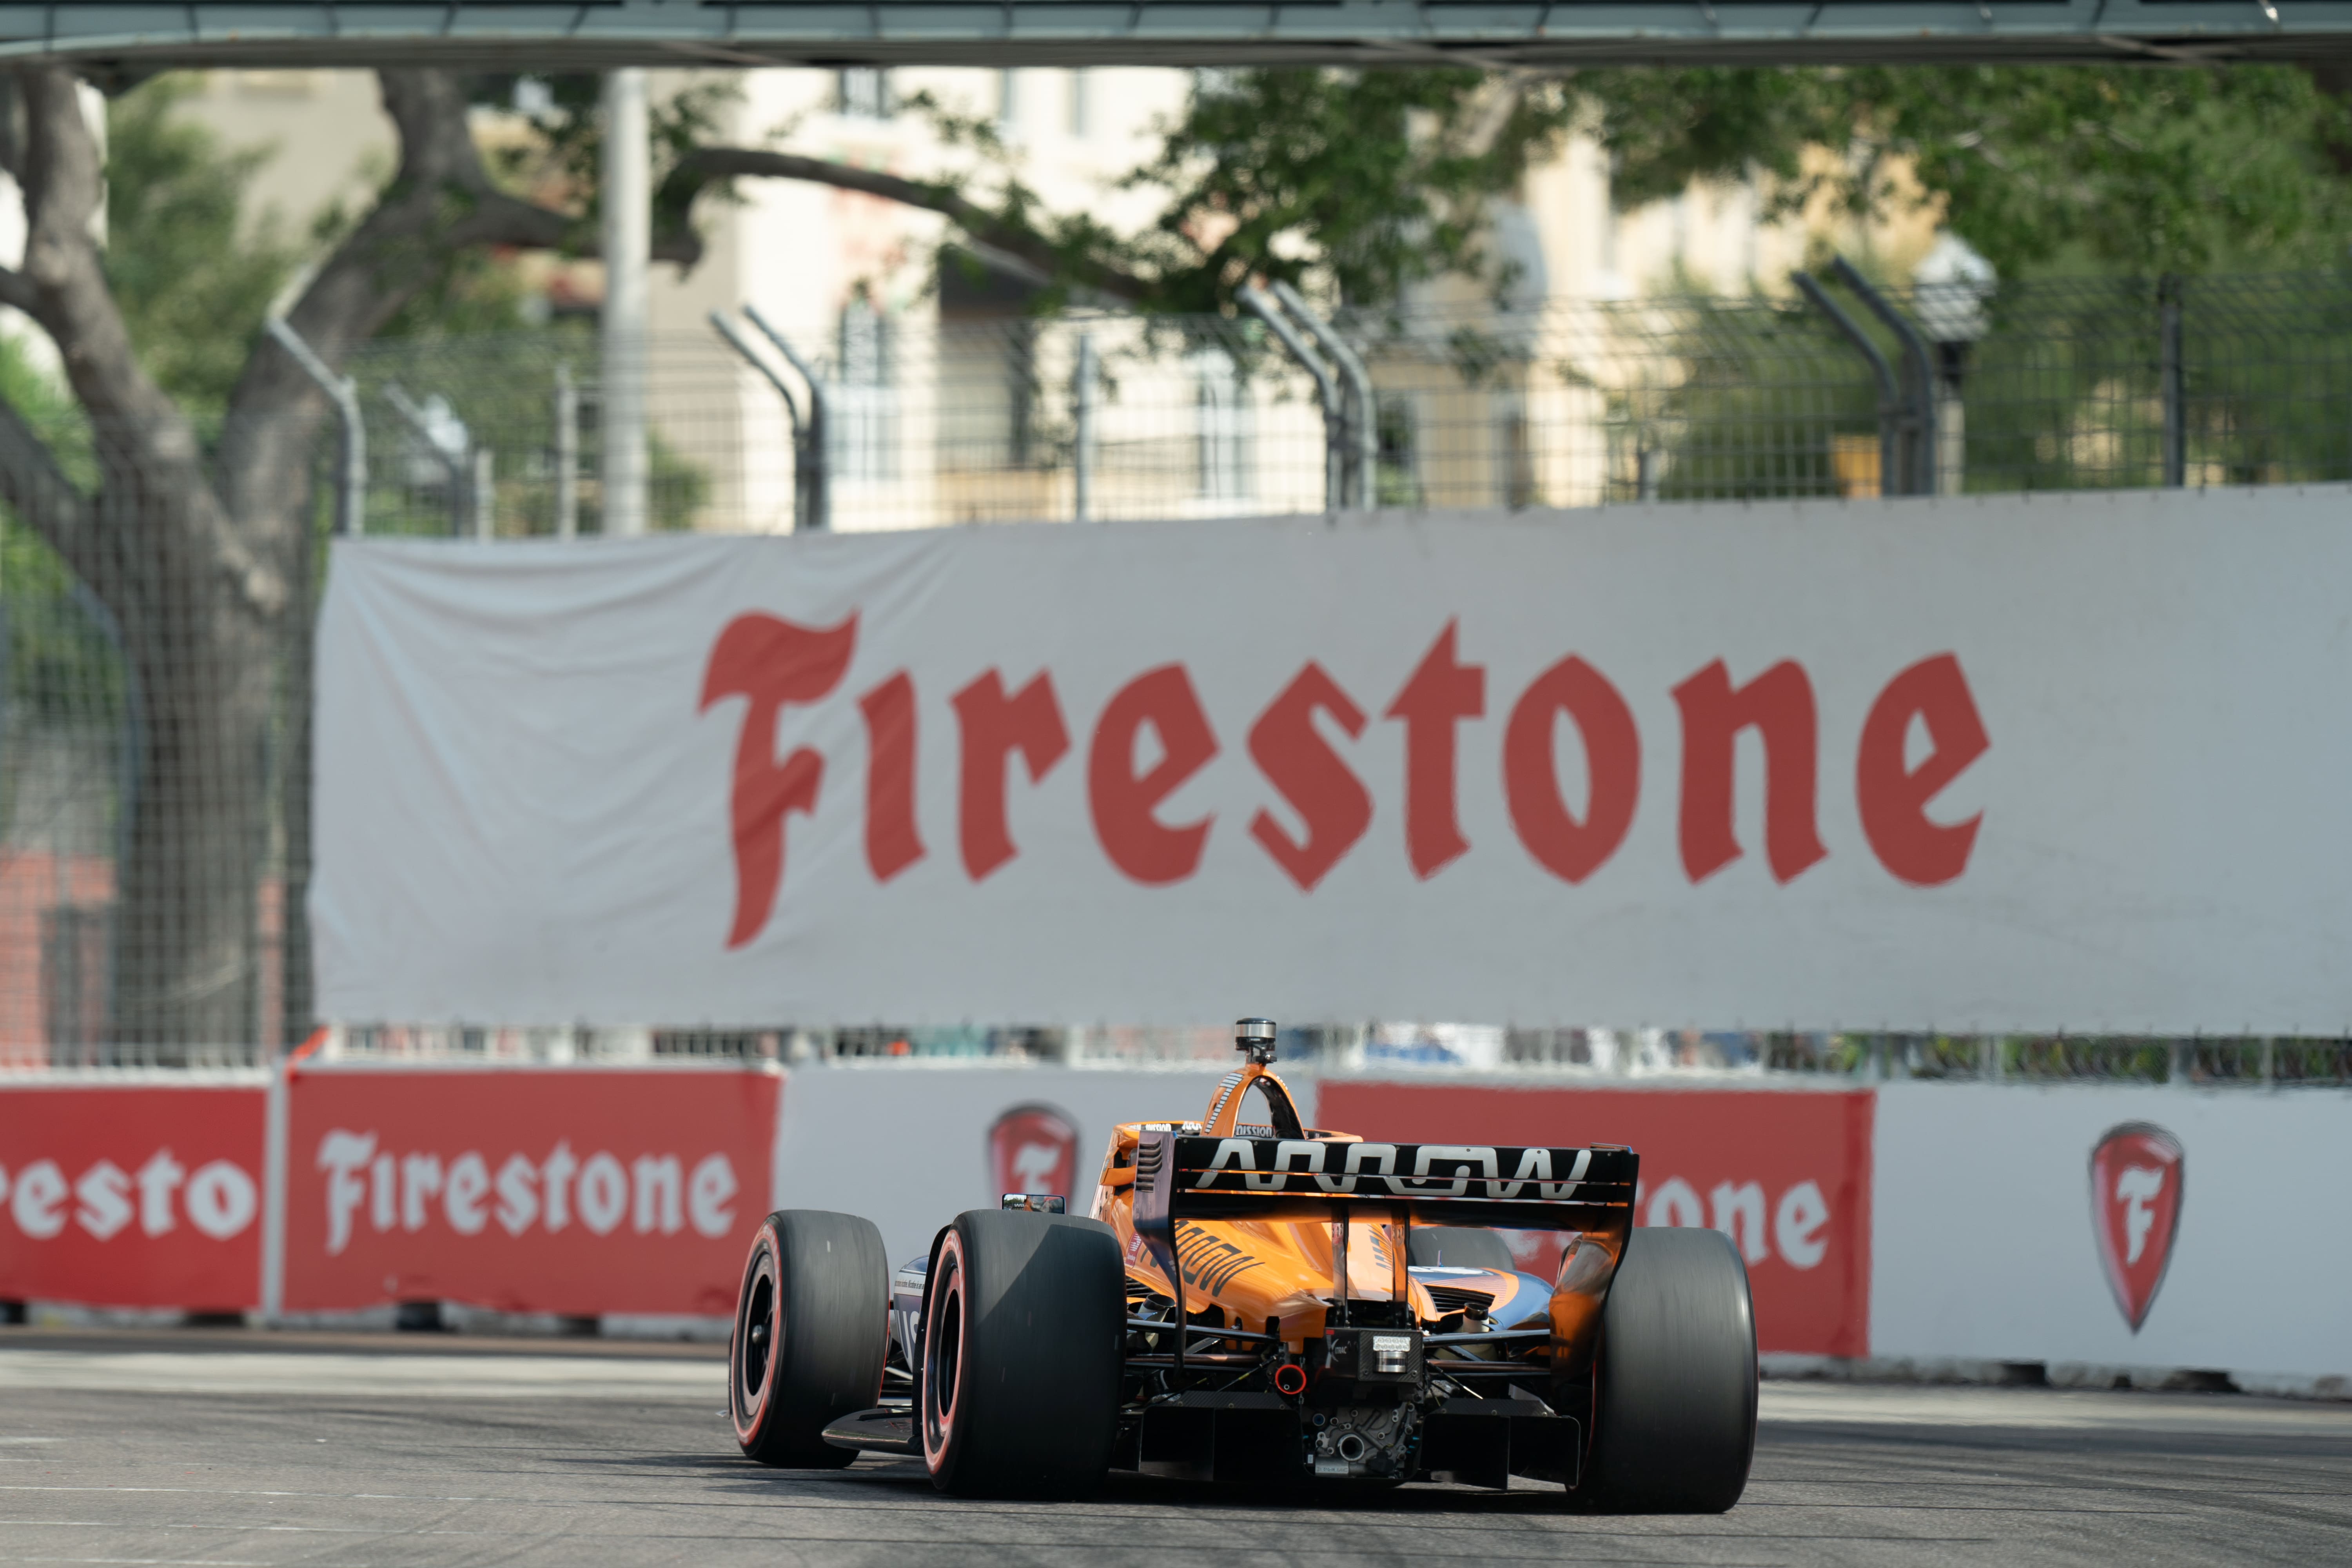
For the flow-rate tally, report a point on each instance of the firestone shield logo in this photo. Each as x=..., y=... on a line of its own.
x=2136, y=1172
x=1033, y=1149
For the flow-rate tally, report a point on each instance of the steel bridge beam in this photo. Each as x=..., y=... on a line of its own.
x=571, y=34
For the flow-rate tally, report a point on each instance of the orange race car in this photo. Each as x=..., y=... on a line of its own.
x=1201, y=1323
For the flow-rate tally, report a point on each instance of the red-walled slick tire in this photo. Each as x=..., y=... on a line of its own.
x=1022, y=1352
x=811, y=1329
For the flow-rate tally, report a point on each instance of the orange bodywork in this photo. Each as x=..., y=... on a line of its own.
x=1280, y=1273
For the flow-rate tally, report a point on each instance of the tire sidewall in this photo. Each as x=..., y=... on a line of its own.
x=766, y=1258
x=1646, y=1456
x=947, y=1321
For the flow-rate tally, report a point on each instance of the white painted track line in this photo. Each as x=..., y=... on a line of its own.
x=2048, y=1409
x=332, y=1375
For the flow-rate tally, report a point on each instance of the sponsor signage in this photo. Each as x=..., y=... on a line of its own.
x=2057, y=1224
x=2136, y=1174
x=554, y=1191
x=1034, y=1149
x=1786, y=1175
x=146, y=1195
x=1787, y=762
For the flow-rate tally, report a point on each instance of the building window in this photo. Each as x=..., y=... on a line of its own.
x=1008, y=103
x=862, y=92
x=1222, y=427
x=864, y=434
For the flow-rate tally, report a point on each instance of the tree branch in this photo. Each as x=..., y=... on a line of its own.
x=441, y=202
x=65, y=185
x=18, y=291
x=37, y=490
x=989, y=231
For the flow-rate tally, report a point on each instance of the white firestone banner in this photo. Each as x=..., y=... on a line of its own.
x=2001, y=763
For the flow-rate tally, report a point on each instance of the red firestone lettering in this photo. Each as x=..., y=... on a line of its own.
x=1894, y=797
x=994, y=727
x=1779, y=704
x=1126, y=803
x=1568, y=849
x=771, y=663
x=893, y=842
x=1443, y=692
x=1323, y=790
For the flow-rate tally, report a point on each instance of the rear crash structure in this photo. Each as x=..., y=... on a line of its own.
x=1259, y=1303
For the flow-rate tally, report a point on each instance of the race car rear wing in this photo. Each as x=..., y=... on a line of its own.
x=1337, y=1181
x=1181, y=1177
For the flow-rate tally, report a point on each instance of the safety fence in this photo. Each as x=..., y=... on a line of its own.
x=922, y=420
x=154, y=703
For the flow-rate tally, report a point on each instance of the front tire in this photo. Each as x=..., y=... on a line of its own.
x=812, y=1326
x=1675, y=1386
x=1022, y=1347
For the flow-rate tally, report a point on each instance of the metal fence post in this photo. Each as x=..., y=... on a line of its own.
x=456, y=467
x=2172, y=378
x=1082, y=455
x=486, y=493
x=741, y=345
x=814, y=458
x=1920, y=389
x=1327, y=391
x=351, y=480
x=1890, y=399
x=567, y=455
x=1362, y=456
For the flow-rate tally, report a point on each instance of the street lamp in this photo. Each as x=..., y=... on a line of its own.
x=1949, y=290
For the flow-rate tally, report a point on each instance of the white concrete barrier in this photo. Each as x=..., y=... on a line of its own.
x=1986, y=1217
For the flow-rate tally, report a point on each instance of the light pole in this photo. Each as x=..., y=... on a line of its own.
x=1949, y=290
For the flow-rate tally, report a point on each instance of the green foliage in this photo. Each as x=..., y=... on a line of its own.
x=478, y=293
x=1358, y=184
x=1363, y=183
x=2136, y=168
x=193, y=281
x=1376, y=179
x=568, y=147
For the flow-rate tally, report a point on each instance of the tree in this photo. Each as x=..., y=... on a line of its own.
x=196, y=537
x=2143, y=168
x=1370, y=181
x=1364, y=182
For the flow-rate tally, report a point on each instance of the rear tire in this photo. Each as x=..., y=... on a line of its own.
x=1024, y=1340
x=1674, y=1420
x=811, y=1328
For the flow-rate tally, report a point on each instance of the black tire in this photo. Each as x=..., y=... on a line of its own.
x=1025, y=1329
x=1673, y=1418
x=812, y=1326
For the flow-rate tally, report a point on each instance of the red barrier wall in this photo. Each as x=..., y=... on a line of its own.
x=1788, y=1174
x=577, y=1192
x=131, y=1196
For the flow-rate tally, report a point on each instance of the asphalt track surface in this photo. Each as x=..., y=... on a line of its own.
x=272, y=1450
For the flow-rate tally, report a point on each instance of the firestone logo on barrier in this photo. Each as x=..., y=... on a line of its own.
x=218, y=1199
x=1033, y=1149
x=654, y=1193
x=2137, y=1173
x=1800, y=1219
x=774, y=664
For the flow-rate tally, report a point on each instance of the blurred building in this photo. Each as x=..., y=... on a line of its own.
x=951, y=402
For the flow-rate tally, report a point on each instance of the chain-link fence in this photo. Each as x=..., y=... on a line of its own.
x=2094, y=383
x=153, y=711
